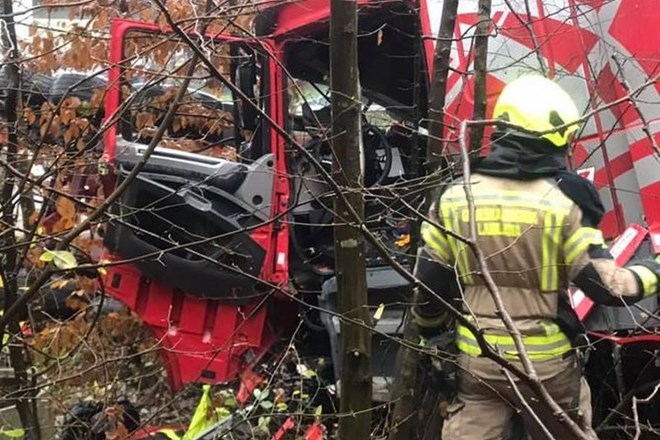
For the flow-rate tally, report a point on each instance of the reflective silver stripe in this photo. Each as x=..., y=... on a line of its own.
x=520, y=200
x=579, y=241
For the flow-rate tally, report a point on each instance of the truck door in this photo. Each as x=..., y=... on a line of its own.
x=196, y=224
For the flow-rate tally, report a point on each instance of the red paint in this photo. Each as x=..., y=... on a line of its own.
x=315, y=432
x=650, y=196
x=249, y=382
x=643, y=147
x=596, y=4
x=635, y=28
x=288, y=425
x=559, y=41
x=609, y=88
x=625, y=340
x=580, y=154
x=609, y=224
x=617, y=167
x=654, y=232
x=193, y=349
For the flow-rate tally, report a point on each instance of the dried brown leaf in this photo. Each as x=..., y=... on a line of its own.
x=70, y=133
x=33, y=257
x=144, y=120
x=67, y=115
x=75, y=302
x=176, y=124
x=55, y=128
x=71, y=102
x=29, y=116
x=65, y=207
x=60, y=283
x=88, y=285
x=97, y=99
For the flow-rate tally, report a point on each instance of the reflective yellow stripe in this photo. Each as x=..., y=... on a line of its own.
x=426, y=322
x=463, y=257
x=648, y=278
x=552, y=227
x=553, y=344
x=458, y=248
x=437, y=241
x=556, y=245
x=580, y=241
x=545, y=252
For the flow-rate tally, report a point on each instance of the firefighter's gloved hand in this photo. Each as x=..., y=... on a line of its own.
x=442, y=354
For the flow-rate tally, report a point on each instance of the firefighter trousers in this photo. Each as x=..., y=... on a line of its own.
x=486, y=401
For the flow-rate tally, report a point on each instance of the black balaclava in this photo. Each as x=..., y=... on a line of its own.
x=519, y=157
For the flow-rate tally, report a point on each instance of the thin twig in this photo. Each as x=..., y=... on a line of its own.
x=635, y=401
x=528, y=408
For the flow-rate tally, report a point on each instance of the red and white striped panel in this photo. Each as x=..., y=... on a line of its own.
x=595, y=49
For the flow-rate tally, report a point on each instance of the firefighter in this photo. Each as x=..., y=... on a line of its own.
x=537, y=225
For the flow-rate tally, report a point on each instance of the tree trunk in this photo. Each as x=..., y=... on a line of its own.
x=438, y=88
x=356, y=384
x=403, y=419
x=9, y=268
x=480, y=71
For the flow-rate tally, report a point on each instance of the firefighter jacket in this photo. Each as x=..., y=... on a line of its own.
x=537, y=226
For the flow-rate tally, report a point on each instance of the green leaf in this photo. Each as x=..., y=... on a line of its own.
x=222, y=412
x=267, y=404
x=61, y=259
x=12, y=433
x=230, y=402
x=263, y=425
x=47, y=256
x=309, y=373
x=318, y=410
x=281, y=407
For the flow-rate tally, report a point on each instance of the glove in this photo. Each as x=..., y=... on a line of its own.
x=444, y=368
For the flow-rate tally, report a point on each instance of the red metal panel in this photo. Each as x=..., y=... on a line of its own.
x=201, y=340
x=193, y=311
x=558, y=40
x=635, y=27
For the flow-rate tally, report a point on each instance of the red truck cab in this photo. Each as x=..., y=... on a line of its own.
x=220, y=252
